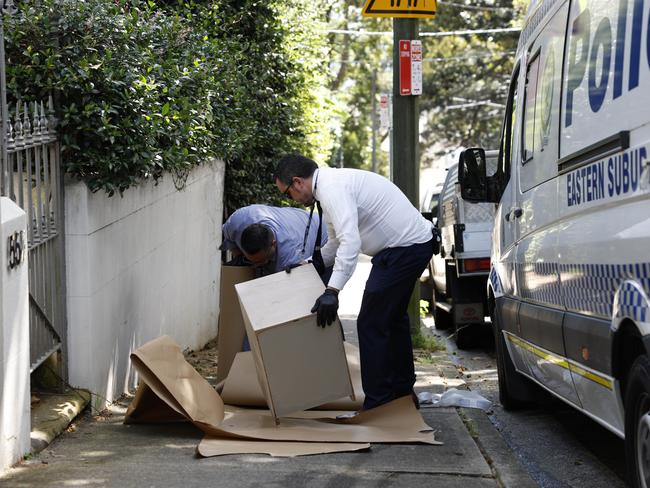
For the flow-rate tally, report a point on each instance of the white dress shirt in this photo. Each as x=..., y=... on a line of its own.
x=365, y=213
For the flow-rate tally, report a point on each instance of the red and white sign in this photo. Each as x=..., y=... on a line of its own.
x=404, y=67
x=416, y=67
x=384, y=112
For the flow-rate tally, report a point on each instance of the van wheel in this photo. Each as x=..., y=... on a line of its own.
x=515, y=391
x=637, y=423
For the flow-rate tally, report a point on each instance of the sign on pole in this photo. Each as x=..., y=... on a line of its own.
x=404, y=9
x=404, y=67
x=416, y=67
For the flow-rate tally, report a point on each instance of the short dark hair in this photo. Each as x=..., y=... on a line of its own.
x=292, y=165
x=256, y=238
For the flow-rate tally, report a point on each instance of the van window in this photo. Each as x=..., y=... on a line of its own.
x=542, y=102
x=506, y=152
x=530, y=99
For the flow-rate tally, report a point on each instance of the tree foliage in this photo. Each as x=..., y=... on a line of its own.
x=465, y=76
x=149, y=86
x=145, y=87
x=466, y=82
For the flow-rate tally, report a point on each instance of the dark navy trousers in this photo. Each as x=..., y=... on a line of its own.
x=383, y=324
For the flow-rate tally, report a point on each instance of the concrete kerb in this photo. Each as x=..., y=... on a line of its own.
x=52, y=415
x=503, y=463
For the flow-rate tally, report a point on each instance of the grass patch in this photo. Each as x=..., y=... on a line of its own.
x=427, y=343
x=424, y=358
x=470, y=425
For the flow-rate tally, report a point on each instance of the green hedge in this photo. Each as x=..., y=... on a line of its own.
x=142, y=87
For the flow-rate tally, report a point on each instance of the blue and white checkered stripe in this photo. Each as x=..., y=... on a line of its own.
x=496, y=283
x=591, y=288
x=584, y=288
x=539, y=282
x=632, y=302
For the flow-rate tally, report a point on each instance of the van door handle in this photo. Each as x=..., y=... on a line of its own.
x=515, y=212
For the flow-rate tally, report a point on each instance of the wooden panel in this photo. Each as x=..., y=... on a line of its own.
x=280, y=297
x=306, y=365
x=299, y=364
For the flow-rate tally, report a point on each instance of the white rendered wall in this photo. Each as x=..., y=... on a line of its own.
x=140, y=266
x=14, y=343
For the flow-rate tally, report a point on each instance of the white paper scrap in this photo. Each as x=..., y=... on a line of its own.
x=454, y=398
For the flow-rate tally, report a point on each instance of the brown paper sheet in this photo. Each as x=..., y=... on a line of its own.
x=394, y=422
x=242, y=387
x=231, y=323
x=163, y=368
x=147, y=408
x=214, y=446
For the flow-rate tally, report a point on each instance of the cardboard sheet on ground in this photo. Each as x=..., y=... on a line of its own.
x=213, y=446
x=163, y=368
x=242, y=387
x=147, y=408
x=231, y=323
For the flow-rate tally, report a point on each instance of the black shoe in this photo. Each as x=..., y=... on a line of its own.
x=414, y=397
x=416, y=400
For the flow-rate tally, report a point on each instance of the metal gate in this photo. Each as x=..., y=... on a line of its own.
x=31, y=178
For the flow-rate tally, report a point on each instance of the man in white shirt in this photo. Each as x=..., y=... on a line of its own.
x=366, y=213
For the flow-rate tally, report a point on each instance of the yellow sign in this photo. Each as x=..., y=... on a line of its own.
x=405, y=9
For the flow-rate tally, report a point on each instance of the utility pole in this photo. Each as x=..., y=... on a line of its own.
x=405, y=157
x=373, y=94
x=405, y=120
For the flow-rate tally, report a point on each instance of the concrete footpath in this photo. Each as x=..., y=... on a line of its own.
x=101, y=451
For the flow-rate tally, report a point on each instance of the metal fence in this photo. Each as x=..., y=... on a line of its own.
x=30, y=177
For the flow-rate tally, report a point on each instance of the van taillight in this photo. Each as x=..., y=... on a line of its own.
x=474, y=265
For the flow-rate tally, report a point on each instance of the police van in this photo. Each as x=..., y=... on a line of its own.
x=569, y=286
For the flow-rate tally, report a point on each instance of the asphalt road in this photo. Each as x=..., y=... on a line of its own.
x=558, y=446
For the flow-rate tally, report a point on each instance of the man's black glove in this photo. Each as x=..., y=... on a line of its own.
x=288, y=269
x=326, y=306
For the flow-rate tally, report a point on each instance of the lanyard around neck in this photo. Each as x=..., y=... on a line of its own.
x=311, y=214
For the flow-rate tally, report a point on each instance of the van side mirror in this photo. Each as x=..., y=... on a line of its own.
x=472, y=175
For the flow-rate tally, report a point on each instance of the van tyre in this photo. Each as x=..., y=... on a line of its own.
x=515, y=391
x=441, y=319
x=637, y=423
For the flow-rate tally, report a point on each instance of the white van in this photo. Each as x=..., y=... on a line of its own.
x=570, y=280
x=460, y=270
